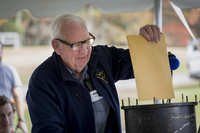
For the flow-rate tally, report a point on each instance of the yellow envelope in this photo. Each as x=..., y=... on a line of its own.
x=151, y=68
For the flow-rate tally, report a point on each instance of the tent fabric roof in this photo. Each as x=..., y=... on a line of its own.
x=53, y=8
x=187, y=4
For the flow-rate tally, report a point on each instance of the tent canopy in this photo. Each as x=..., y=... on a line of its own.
x=52, y=8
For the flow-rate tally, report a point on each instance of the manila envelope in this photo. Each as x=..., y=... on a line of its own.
x=151, y=68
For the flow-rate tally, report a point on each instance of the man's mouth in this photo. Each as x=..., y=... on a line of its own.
x=81, y=58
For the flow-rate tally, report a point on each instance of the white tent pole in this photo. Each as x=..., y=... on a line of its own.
x=158, y=22
x=158, y=13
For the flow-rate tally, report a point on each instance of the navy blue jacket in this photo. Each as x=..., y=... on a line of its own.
x=58, y=103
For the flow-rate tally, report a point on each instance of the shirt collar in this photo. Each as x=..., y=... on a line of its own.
x=84, y=74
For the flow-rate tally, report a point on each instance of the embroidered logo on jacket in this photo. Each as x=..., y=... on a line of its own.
x=102, y=76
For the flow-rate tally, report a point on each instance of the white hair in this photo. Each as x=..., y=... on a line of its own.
x=58, y=22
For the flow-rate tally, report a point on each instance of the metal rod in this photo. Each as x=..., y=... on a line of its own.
x=137, y=102
x=186, y=98
x=129, y=101
x=182, y=98
x=122, y=102
x=158, y=13
x=163, y=102
x=154, y=100
x=168, y=100
x=195, y=98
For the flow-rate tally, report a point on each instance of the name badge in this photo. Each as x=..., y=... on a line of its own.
x=95, y=96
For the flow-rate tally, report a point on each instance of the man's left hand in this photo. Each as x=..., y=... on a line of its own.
x=151, y=33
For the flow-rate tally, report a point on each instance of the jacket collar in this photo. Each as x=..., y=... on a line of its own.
x=60, y=65
x=94, y=60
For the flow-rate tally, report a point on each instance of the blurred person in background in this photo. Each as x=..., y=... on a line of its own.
x=6, y=115
x=74, y=91
x=10, y=86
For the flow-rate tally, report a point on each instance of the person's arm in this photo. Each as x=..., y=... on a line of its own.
x=18, y=96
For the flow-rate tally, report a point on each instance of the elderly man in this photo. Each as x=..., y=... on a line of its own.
x=73, y=91
x=10, y=86
x=6, y=115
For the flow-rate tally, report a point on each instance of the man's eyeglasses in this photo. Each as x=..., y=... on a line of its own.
x=77, y=45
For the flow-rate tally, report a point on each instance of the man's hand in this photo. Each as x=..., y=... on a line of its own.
x=151, y=33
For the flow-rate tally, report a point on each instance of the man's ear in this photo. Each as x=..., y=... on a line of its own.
x=55, y=46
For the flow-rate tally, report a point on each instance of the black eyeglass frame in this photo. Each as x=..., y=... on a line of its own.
x=71, y=45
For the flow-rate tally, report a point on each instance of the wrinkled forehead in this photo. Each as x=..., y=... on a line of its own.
x=73, y=26
x=73, y=30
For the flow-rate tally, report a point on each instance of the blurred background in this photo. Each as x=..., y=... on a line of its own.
x=27, y=44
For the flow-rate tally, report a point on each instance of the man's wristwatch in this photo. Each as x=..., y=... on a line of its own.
x=22, y=119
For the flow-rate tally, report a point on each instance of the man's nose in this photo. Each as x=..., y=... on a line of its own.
x=83, y=48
